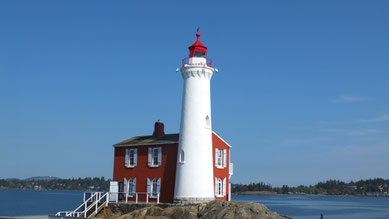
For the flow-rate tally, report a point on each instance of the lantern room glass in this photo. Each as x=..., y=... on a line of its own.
x=199, y=54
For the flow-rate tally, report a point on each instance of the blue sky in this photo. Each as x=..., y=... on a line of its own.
x=301, y=95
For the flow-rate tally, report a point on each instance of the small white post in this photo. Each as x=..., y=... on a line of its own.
x=96, y=206
x=147, y=197
x=136, y=198
x=85, y=209
x=158, y=199
x=126, y=197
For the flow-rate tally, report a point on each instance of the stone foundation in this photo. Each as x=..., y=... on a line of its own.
x=189, y=200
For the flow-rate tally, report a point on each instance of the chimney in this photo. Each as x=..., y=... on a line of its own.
x=158, y=129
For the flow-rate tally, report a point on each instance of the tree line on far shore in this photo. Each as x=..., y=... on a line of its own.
x=369, y=187
x=96, y=183
x=372, y=187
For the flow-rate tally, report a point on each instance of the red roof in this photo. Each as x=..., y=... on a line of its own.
x=197, y=46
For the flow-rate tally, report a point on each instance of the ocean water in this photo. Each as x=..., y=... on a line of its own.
x=332, y=207
x=17, y=202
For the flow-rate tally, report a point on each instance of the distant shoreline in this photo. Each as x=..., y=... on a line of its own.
x=236, y=193
x=299, y=194
x=79, y=190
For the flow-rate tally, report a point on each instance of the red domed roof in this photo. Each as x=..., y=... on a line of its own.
x=197, y=46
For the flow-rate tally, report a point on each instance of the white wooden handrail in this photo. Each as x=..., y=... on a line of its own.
x=96, y=198
x=96, y=203
x=88, y=200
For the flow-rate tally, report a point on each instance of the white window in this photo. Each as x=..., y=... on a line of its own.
x=154, y=187
x=154, y=191
x=155, y=157
x=131, y=157
x=220, y=158
x=207, y=122
x=220, y=187
x=182, y=156
x=131, y=187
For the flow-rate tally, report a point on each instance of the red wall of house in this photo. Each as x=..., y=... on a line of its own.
x=166, y=171
x=221, y=173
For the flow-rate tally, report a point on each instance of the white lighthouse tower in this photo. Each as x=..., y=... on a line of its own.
x=194, y=176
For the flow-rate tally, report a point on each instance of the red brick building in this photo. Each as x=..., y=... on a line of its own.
x=145, y=166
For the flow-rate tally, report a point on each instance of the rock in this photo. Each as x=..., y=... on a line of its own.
x=212, y=210
x=189, y=212
x=248, y=210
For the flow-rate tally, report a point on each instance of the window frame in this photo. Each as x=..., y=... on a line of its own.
x=154, y=156
x=219, y=191
x=131, y=152
x=182, y=156
x=202, y=54
x=127, y=162
x=131, y=187
x=151, y=158
x=154, y=188
x=207, y=122
x=221, y=158
x=220, y=187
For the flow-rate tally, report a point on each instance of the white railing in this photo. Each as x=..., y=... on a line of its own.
x=128, y=195
x=102, y=202
x=187, y=61
x=82, y=210
x=69, y=214
x=98, y=200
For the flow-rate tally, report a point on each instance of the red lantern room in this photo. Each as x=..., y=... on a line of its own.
x=198, y=49
x=197, y=54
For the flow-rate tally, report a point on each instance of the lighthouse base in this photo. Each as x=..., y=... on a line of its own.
x=191, y=200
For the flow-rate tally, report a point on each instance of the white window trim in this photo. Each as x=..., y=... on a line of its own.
x=151, y=187
x=219, y=153
x=220, y=185
x=131, y=183
x=154, y=187
x=127, y=158
x=182, y=156
x=219, y=188
x=151, y=158
x=207, y=122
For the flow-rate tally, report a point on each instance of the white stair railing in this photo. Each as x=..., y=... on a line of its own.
x=103, y=201
x=84, y=207
x=98, y=200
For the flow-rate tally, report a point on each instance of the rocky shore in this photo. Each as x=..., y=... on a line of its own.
x=212, y=210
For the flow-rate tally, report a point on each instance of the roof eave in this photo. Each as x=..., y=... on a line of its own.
x=144, y=144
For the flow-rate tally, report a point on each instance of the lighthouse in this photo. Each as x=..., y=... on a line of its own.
x=191, y=166
x=194, y=181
